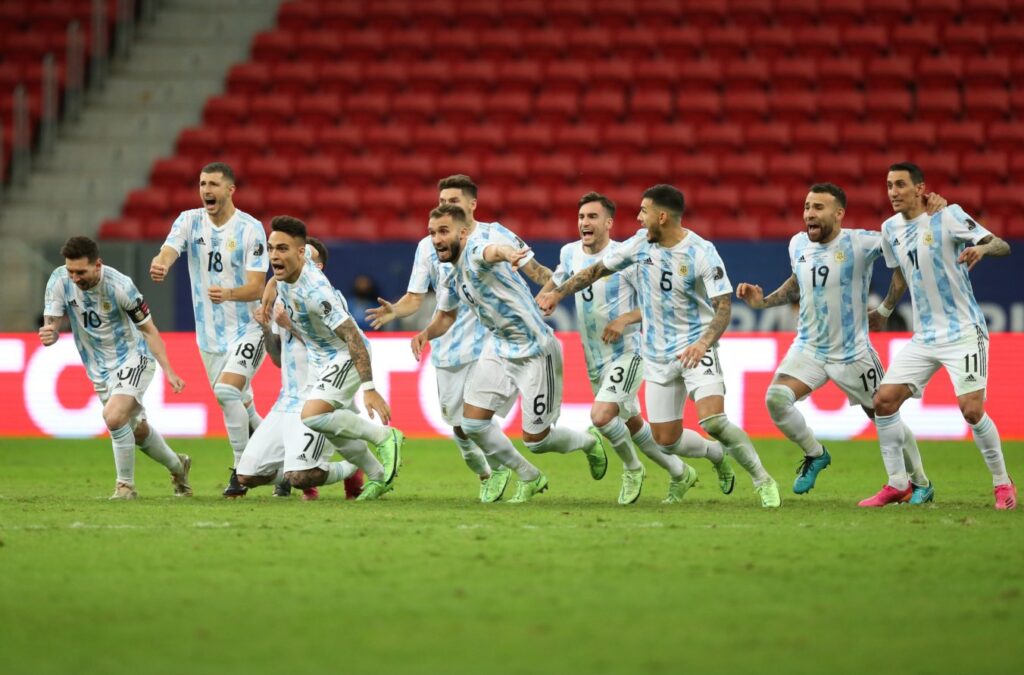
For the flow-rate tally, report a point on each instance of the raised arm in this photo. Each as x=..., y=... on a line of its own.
x=374, y=402
x=537, y=273
x=582, y=279
x=156, y=345
x=162, y=263
x=387, y=312
x=989, y=246
x=753, y=295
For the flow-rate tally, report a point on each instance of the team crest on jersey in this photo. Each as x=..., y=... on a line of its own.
x=684, y=270
x=928, y=239
x=232, y=244
x=105, y=305
x=840, y=256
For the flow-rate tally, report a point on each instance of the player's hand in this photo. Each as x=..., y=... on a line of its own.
x=876, y=321
x=752, y=294
x=548, y=301
x=613, y=331
x=260, y=316
x=157, y=270
x=218, y=294
x=933, y=203
x=177, y=384
x=692, y=355
x=514, y=256
x=375, y=403
x=381, y=316
x=971, y=256
x=48, y=335
x=418, y=343
x=281, y=316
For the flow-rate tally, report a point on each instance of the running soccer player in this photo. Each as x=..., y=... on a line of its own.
x=607, y=314
x=935, y=254
x=117, y=340
x=685, y=301
x=340, y=358
x=523, y=348
x=227, y=264
x=831, y=278
x=282, y=435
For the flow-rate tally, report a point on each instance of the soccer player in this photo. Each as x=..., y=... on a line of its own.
x=607, y=314
x=685, y=301
x=935, y=254
x=523, y=348
x=340, y=358
x=227, y=264
x=117, y=340
x=831, y=279
x=282, y=435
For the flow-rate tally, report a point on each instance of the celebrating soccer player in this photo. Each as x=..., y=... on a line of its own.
x=935, y=253
x=117, y=340
x=685, y=300
x=227, y=264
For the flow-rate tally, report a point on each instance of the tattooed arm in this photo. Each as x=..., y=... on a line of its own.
x=897, y=287
x=692, y=355
x=990, y=245
x=360, y=357
x=582, y=279
x=753, y=295
x=537, y=273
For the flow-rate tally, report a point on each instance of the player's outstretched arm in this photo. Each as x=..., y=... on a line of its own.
x=614, y=330
x=156, y=345
x=989, y=246
x=162, y=263
x=879, y=316
x=692, y=355
x=49, y=332
x=438, y=326
x=753, y=295
x=387, y=312
x=250, y=291
x=374, y=402
x=582, y=279
x=537, y=273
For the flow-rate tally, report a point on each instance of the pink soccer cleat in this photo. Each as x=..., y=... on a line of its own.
x=1006, y=497
x=354, y=484
x=310, y=494
x=888, y=495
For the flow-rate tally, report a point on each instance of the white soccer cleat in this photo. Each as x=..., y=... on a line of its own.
x=180, y=481
x=124, y=491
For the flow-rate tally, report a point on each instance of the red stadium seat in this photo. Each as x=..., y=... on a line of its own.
x=634, y=44
x=482, y=137
x=524, y=13
x=603, y=105
x=227, y=110
x=772, y=42
x=912, y=136
x=720, y=139
x=746, y=106
x=673, y=137
x=965, y=39
x=698, y=106
x=778, y=227
x=297, y=15
x=937, y=11
x=863, y=137
x=528, y=204
x=676, y=42
x=742, y=170
x=366, y=108
x=183, y=199
x=966, y=136
x=769, y=137
x=940, y=168
x=746, y=74
x=121, y=228
x=435, y=138
x=625, y=138
x=987, y=71
x=895, y=72
x=990, y=167
x=271, y=109
x=266, y=173
x=721, y=42
x=461, y=107
x=699, y=169
x=649, y=169
x=889, y=12
x=577, y=138
x=820, y=42
x=414, y=107
x=793, y=74
x=840, y=73
x=295, y=79
x=1006, y=136
x=146, y=203
x=1006, y=39
x=409, y=45
x=793, y=169
x=794, y=106
x=383, y=202
x=248, y=79
x=599, y=169
x=389, y=14
x=543, y=43
x=473, y=76
x=589, y=42
x=386, y=138
x=411, y=170
x=986, y=11
x=938, y=105
x=318, y=110
x=273, y=46
x=339, y=77
x=916, y=39
x=662, y=74
x=173, y=172
x=317, y=171
x=246, y=141
x=936, y=72
x=335, y=203
x=447, y=165
x=843, y=106
x=1002, y=203
x=318, y=46
x=894, y=105
x=568, y=14
x=521, y=76
x=865, y=41
x=556, y=107
x=340, y=140
x=504, y=170
x=796, y=12
x=385, y=77
x=750, y=12
x=1016, y=173
x=554, y=169
x=815, y=137
x=990, y=105
x=367, y=44
x=362, y=170
x=842, y=12
x=839, y=169
x=650, y=106
x=615, y=14
x=709, y=13
x=529, y=139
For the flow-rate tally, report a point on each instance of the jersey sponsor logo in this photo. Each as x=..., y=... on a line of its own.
x=302, y=457
x=970, y=378
x=242, y=362
x=646, y=261
x=612, y=389
x=718, y=274
x=73, y=303
x=539, y=420
x=801, y=259
x=200, y=242
x=321, y=386
x=326, y=307
x=709, y=372
x=895, y=241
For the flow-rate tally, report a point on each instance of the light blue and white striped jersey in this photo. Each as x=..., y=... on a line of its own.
x=597, y=306
x=926, y=249
x=294, y=371
x=220, y=256
x=497, y=295
x=466, y=339
x=103, y=318
x=675, y=288
x=316, y=309
x=834, y=281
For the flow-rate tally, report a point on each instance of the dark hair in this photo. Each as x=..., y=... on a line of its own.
x=289, y=225
x=460, y=181
x=832, y=189
x=80, y=247
x=321, y=250
x=455, y=212
x=916, y=175
x=219, y=167
x=590, y=197
x=667, y=197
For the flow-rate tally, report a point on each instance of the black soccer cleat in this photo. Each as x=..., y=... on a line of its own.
x=283, y=489
x=234, y=488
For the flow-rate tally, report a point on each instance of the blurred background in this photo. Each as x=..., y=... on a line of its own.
x=347, y=113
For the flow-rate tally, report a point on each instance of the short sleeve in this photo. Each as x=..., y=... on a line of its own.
x=53, y=301
x=962, y=226
x=623, y=256
x=256, y=259
x=712, y=271
x=180, y=229
x=564, y=269
x=422, y=268
x=502, y=235
x=870, y=244
x=447, y=298
x=792, y=252
x=133, y=304
x=891, y=259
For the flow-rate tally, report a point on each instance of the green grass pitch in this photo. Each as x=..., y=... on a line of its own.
x=429, y=581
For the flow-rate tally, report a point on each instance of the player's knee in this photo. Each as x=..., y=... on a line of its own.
x=115, y=419
x=474, y=428
x=715, y=425
x=317, y=423
x=972, y=411
x=307, y=478
x=226, y=394
x=666, y=437
x=885, y=403
x=247, y=481
x=600, y=417
x=779, y=399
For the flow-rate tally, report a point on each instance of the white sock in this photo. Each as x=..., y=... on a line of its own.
x=694, y=445
x=123, y=440
x=156, y=447
x=489, y=437
x=339, y=471
x=617, y=434
x=986, y=437
x=562, y=440
x=890, y=440
x=236, y=421
x=737, y=443
x=254, y=417
x=345, y=424
x=912, y=458
x=780, y=399
x=644, y=440
x=352, y=449
x=473, y=456
x=279, y=476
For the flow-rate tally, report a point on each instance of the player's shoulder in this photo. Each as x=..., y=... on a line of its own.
x=570, y=249
x=892, y=223
x=798, y=241
x=425, y=249
x=190, y=216
x=249, y=220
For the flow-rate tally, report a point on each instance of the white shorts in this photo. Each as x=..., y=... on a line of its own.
x=336, y=383
x=966, y=361
x=859, y=379
x=538, y=380
x=619, y=383
x=264, y=453
x=243, y=357
x=670, y=384
x=451, y=391
x=131, y=379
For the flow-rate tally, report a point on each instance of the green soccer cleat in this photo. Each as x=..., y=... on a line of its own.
x=597, y=457
x=808, y=471
x=632, y=484
x=390, y=454
x=374, y=489
x=677, y=487
x=726, y=476
x=922, y=494
x=492, y=489
x=528, y=488
x=769, y=494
